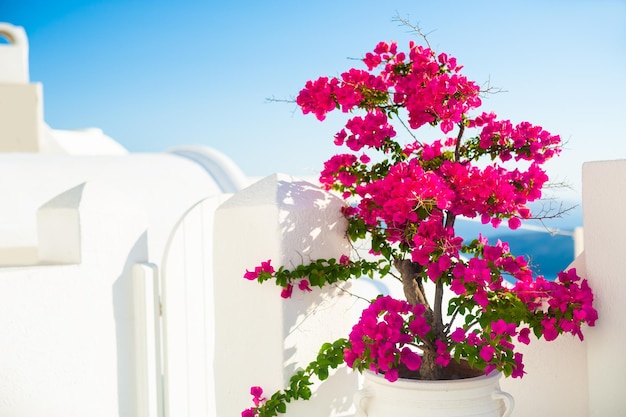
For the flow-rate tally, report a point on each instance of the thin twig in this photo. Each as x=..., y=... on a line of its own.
x=489, y=89
x=414, y=28
x=351, y=293
x=408, y=130
x=280, y=100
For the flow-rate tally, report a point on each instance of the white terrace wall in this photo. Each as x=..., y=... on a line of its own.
x=565, y=378
x=83, y=243
x=604, y=206
x=280, y=218
x=67, y=329
x=260, y=337
x=81, y=323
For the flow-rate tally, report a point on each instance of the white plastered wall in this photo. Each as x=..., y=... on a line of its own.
x=604, y=203
x=260, y=337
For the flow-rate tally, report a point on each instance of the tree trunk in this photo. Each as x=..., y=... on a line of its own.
x=414, y=293
x=411, y=282
x=429, y=370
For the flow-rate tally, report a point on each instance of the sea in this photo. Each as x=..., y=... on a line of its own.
x=548, y=243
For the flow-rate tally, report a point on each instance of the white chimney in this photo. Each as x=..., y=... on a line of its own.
x=21, y=103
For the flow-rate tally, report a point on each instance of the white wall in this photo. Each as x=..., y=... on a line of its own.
x=75, y=339
x=77, y=329
x=68, y=329
x=260, y=337
x=604, y=201
x=164, y=185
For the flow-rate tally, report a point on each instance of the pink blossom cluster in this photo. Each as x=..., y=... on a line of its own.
x=371, y=131
x=528, y=142
x=266, y=271
x=493, y=346
x=563, y=305
x=383, y=337
x=493, y=192
x=395, y=199
x=429, y=87
x=338, y=169
x=257, y=399
x=434, y=91
x=482, y=274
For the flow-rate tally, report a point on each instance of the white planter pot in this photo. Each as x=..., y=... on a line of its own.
x=476, y=397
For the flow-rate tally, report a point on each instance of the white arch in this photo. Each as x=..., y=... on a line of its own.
x=224, y=171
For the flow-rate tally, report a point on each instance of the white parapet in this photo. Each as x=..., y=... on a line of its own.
x=58, y=228
x=13, y=55
x=260, y=337
x=605, y=227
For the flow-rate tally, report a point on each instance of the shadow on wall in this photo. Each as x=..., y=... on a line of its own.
x=313, y=227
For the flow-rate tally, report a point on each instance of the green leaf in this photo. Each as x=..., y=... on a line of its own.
x=305, y=394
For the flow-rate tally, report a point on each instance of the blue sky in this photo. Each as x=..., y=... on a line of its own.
x=156, y=74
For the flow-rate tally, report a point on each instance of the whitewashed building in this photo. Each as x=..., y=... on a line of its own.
x=121, y=290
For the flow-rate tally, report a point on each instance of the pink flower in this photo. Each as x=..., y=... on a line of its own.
x=549, y=331
x=317, y=97
x=458, y=335
x=251, y=275
x=481, y=297
x=256, y=393
x=419, y=325
x=286, y=292
x=370, y=131
x=304, y=285
x=473, y=339
x=514, y=223
x=391, y=375
x=338, y=168
x=411, y=359
x=518, y=370
x=443, y=358
x=501, y=327
x=487, y=352
x=265, y=269
x=522, y=337
x=457, y=286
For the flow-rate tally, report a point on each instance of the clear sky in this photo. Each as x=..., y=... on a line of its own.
x=154, y=74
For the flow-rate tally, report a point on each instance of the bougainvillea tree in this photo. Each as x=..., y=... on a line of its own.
x=405, y=194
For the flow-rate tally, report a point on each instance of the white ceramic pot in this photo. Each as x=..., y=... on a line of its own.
x=476, y=397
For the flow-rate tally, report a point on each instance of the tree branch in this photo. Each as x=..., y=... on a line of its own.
x=414, y=28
